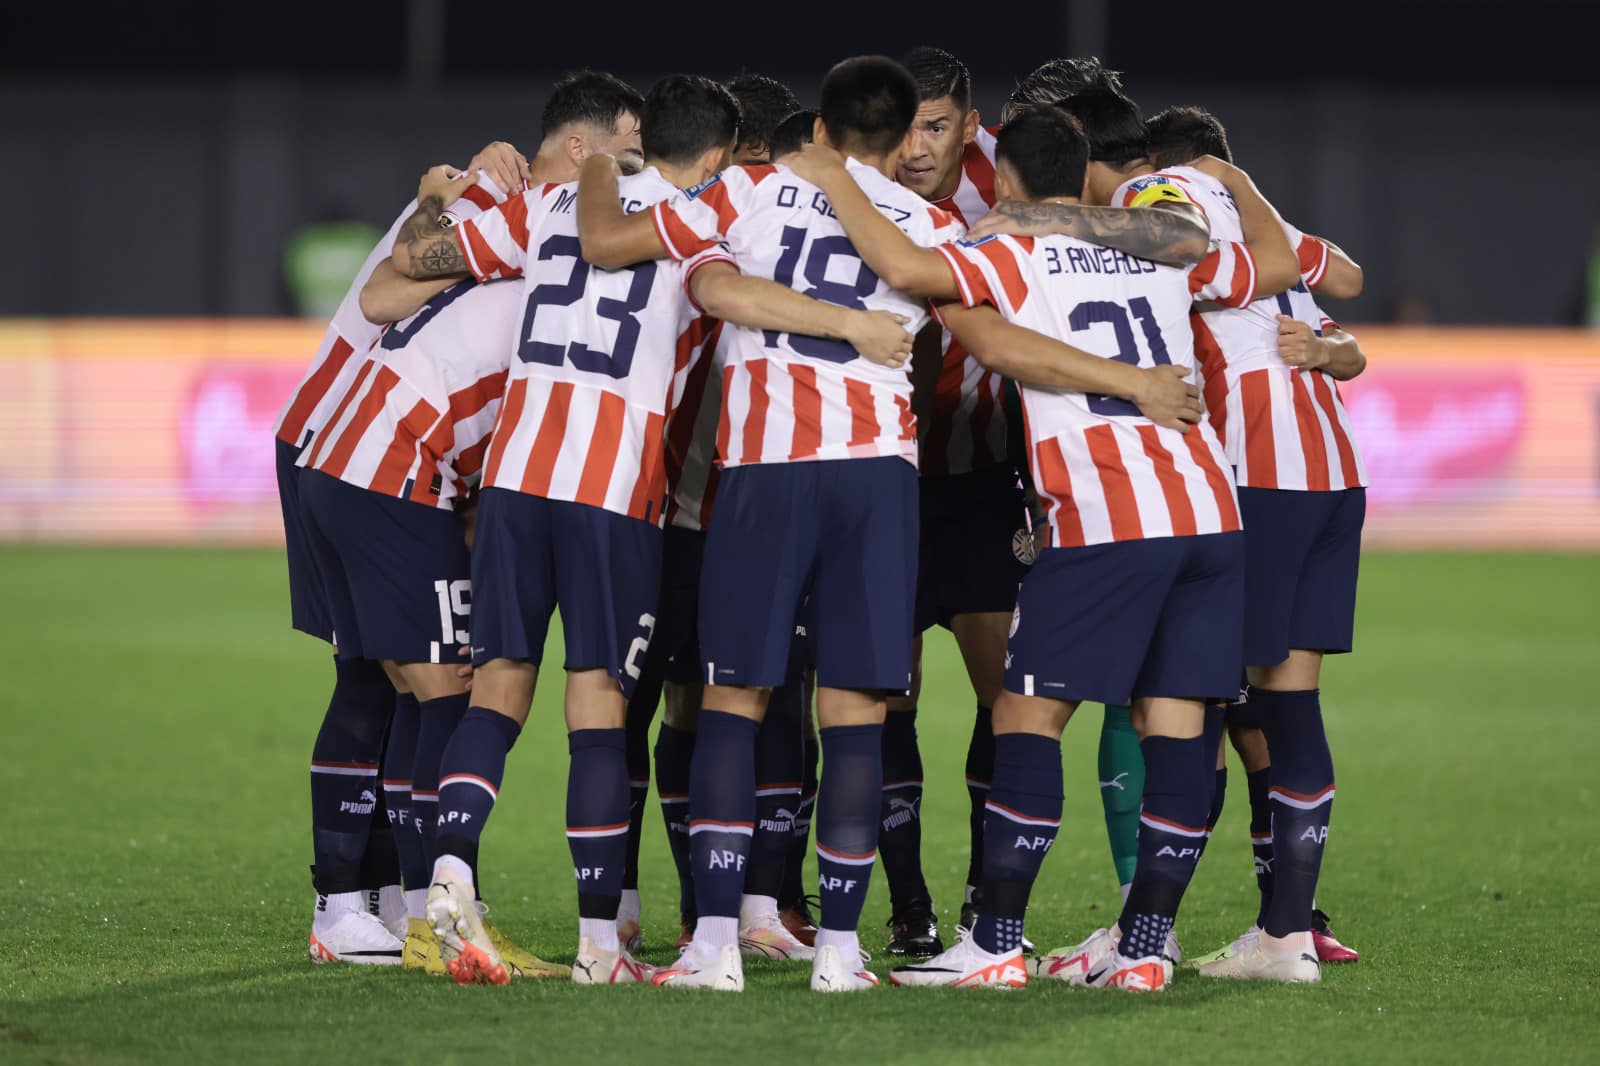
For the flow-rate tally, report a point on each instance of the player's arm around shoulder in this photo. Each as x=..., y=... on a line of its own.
x=757, y=303
x=1162, y=235
x=389, y=296
x=424, y=247
x=609, y=237
x=904, y=265
x=1336, y=352
x=1277, y=267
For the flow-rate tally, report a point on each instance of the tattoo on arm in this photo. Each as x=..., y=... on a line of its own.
x=432, y=251
x=1161, y=236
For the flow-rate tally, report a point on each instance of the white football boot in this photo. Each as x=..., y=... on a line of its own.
x=594, y=966
x=762, y=934
x=965, y=966
x=1152, y=973
x=836, y=969
x=1239, y=943
x=718, y=968
x=342, y=930
x=1256, y=960
x=1170, y=949
x=1074, y=964
x=452, y=910
x=388, y=904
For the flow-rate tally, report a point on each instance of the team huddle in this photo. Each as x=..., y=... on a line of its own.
x=755, y=395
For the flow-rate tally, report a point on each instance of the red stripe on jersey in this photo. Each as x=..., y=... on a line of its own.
x=718, y=200
x=1213, y=368
x=1311, y=442
x=755, y=420
x=370, y=408
x=946, y=399
x=320, y=448
x=724, y=426
x=547, y=442
x=650, y=487
x=1221, y=485
x=604, y=441
x=1172, y=483
x=1260, y=453
x=480, y=196
x=482, y=261
x=1005, y=265
x=464, y=403
x=908, y=421
x=983, y=413
x=313, y=390
x=979, y=170
x=1347, y=453
x=510, y=413
x=515, y=211
x=1202, y=272
x=1053, y=475
x=401, y=454
x=863, y=412
x=434, y=447
x=1122, y=506
x=807, y=412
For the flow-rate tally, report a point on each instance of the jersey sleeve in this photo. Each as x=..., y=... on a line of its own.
x=946, y=227
x=1226, y=276
x=699, y=218
x=495, y=244
x=988, y=271
x=717, y=253
x=482, y=196
x=1154, y=189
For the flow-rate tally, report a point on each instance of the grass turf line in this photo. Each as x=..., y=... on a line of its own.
x=154, y=900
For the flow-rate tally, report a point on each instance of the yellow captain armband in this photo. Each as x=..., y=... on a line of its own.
x=1158, y=190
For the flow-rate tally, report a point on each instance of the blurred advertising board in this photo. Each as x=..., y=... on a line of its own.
x=160, y=431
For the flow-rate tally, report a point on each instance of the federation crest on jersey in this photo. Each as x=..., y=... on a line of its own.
x=1025, y=546
x=969, y=243
x=695, y=191
x=1155, y=189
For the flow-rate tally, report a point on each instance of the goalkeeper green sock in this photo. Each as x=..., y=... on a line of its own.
x=1121, y=788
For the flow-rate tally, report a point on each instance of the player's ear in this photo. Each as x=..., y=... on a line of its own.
x=970, y=130
x=819, y=133
x=577, y=149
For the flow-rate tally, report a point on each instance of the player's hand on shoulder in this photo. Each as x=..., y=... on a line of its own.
x=446, y=183
x=1299, y=346
x=815, y=163
x=1166, y=399
x=506, y=167
x=880, y=337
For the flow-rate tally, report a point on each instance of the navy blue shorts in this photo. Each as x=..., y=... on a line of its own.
x=675, y=647
x=967, y=560
x=1302, y=554
x=532, y=556
x=308, y=603
x=841, y=532
x=1116, y=622
x=395, y=572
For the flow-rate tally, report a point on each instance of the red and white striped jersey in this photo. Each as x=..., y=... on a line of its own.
x=1105, y=472
x=1281, y=427
x=788, y=398
x=692, y=435
x=595, y=357
x=416, y=420
x=350, y=335
x=966, y=424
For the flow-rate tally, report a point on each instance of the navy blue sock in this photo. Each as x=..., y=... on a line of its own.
x=1215, y=729
x=779, y=764
x=470, y=772
x=1022, y=816
x=794, y=866
x=399, y=759
x=980, y=772
x=674, y=754
x=597, y=818
x=1172, y=828
x=1257, y=783
x=1301, y=795
x=640, y=715
x=344, y=772
x=900, y=813
x=722, y=810
x=847, y=821
x=436, y=724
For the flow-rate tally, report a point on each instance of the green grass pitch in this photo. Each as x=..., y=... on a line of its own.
x=158, y=716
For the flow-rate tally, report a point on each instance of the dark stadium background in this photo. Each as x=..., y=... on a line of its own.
x=158, y=155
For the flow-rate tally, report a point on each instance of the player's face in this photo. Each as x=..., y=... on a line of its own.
x=623, y=142
x=931, y=164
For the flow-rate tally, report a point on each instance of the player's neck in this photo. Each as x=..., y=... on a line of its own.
x=883, y=162
x=682, y=177
x=552, y=167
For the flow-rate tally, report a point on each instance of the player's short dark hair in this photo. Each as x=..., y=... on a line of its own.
x=1057, y=79
x=590, y=96
x=763, y=103
x=1180, y=134
x=869, y=100
x=1046, y=148
x=685, y=115
x=1111, y=122
x=793, y=133
x=939, y=74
